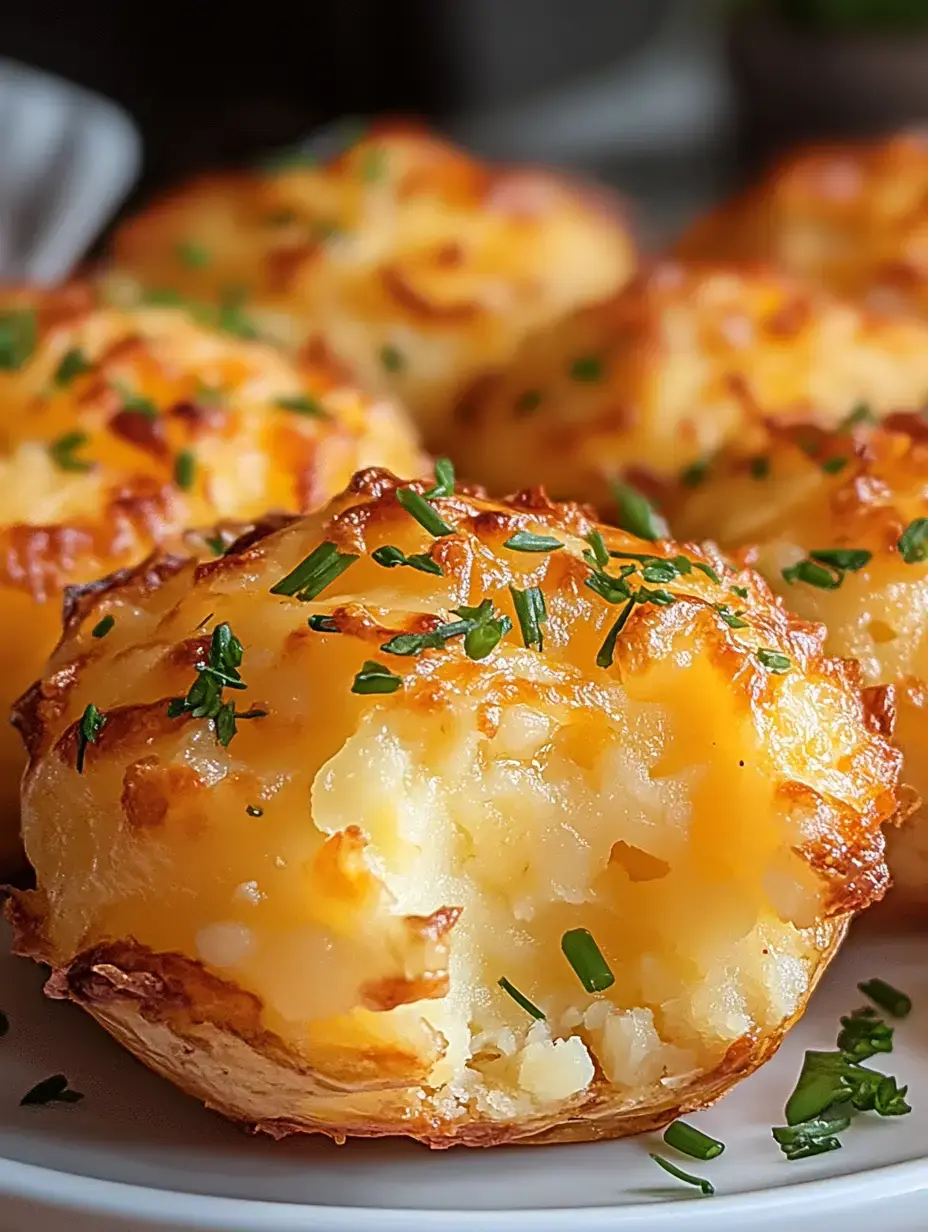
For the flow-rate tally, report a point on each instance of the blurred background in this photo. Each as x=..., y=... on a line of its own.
x=671, y=100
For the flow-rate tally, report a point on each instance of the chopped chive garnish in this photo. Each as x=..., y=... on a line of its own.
x=692, y=1141
x=693, y=475
x=760, y=467
x=774, y=662
x=219, y=672
x=134, y=403
x=732, y=619
x=390, y=557
x=587, y=960
x=586, y=368
x=193, y=255
x=708, y=571
x=612, y=589
x=863, y=1034
x=216, y=544
x=890, y=999
x=813, y=575
x=392, y=359
x=104, y=626
x=848, y=559
x=531, y=613
x=91, y=724
x=415, y=643
x=740, y=591
x=913, y=542
x=322, y=624
x=830, y=1078
x=444, y=479
x=74, y=363
x=375, y=678
x=706, y=1186
x=420, y=509
x=861, y=414
x=231, y=317
x=314, y=573
x=520, y=998
x=302, y=404
x=253, y=811
x=487, y=629
x=185, y=470
x=17, y=338
x=529, y=400
x=62, y=452
x=636, y=513
x=813, y=1137
x=525, y=541
x=606, y=653
x=53, y=1090
x=833, y=466
x=598, y=547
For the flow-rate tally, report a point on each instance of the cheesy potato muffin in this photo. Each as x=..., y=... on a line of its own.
x=121, y=428
x=853, y=217
x=428, y=815
x=688, y=356
x=838, y=524
x=409, y=262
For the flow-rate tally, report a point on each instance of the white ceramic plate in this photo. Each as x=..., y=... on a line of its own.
x=136, y=1154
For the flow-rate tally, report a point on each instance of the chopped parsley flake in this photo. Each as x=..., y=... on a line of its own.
x=913, y=542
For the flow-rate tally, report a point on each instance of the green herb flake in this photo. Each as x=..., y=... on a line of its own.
x=419, y=508
x=598, y=549
x=813, y=1137
x=774, y=662
x=693, y=475
x=863, y=1034
x=103, y=627
x=834, y=466
x=375, y=678
x=193, y=255
x=414, y=643
x=531, y=614
x=444, y=479
x=17, y=338
x=392, y=359
x=699, y=1182
x=216, y=544
x=606, y=653
x=689, y=1140
x=231, y=317
x=63, y=452
x=91, y=723
x=849, y=560
x=587, y=960
x=890, y=999
x=323, y=624
x=53, y=1090
x=185, y=470
x=134, y=403
x=526, y=541
x=740, y=591
x=74, y=363
x=314, y=573
x=587, y=369
x=528, y=401
x=636, y=513
x=861, y=414
x=760, y=468
x=913, y=542
x=813, y=575
x=302, y=404
x=520, y=998
x=732, y=619
x=204, y=698
x=390, y=557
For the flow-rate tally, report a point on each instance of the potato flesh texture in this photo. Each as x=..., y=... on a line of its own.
x=522, y=843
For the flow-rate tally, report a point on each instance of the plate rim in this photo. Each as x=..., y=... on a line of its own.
x=58, y=1189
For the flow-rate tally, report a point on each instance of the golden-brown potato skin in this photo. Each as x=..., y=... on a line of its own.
x=305, y=928
x=121, y=428
x=852, y=217
x=687, y=357
x=804, y=491
x=414, y=265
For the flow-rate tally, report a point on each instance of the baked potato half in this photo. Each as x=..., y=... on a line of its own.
x=301, y=812
x=686, y=357
x=411, y=263
x=119, y=429
x=838, y=524
x=852, y=217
